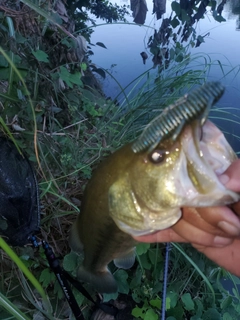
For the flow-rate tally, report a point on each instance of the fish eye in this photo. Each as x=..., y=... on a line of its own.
x=157, y=156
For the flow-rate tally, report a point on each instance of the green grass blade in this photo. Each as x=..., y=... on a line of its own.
x=25, y=270
x=11, y=54
x=11, y=308
x=179, y=248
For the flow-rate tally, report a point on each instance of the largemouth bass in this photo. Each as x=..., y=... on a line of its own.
x=141, y=187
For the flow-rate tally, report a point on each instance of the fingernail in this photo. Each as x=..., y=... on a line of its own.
x=220, y=241
x=229, y=228
x=224, y=179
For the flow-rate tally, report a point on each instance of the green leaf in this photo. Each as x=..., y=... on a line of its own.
x=138, y=312
x=47, y=277
x=20, y=38
x=156, y=303
x=168, y=303
x=137, y=278
x=176, y=7
x=40, y=55
x=83, y=66
x=185, y=16
x=155, y=256
x=3, y=224
x=78, y=296
x=75, y=78
x=172, y=53
x=213, y=4
x=100, y=71
x=211, y=314
x=70, y=261
x=145, y=262
x=110, y=296
x=200, y=39
x=235, y=279
x=187, y=301
x=150, y=315
x=100, y=44
x=174, y=22
x=177, y=312
x=58, y=290
x=236, y=293
x=70, y=78
x=219, y=18
x=173, y=296
x=199, y=304
x=3, y=62
x=227, y=316
x=226, y=302
x=142, y=248
x=121, y=278
x=136, y=296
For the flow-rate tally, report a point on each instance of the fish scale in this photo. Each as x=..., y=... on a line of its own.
x=172, y=120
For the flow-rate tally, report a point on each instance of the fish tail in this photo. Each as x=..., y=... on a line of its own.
x=103, y=281
x=74, y=240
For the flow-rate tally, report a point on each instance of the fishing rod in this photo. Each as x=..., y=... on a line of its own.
x=59, y=273
x=64, y=278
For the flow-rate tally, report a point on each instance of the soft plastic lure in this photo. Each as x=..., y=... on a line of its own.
x=170, y=123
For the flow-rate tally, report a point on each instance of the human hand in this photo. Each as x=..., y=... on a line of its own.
x=214, y=231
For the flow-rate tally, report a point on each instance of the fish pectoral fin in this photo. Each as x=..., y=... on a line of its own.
x=102, y=281
x=74, y=240
x=125, y=261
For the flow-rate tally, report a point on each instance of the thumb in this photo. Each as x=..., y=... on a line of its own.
x=231, y=177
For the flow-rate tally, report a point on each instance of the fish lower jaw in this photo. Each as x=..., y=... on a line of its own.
x=151, y=225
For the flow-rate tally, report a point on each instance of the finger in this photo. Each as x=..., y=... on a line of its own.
x=215, y=220
x=219, y=221
x=196, y=217
x=193, y=234
x=168, y=235
x=185, y=232
x=231, y=177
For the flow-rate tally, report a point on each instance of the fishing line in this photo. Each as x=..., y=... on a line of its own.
x=165, y=279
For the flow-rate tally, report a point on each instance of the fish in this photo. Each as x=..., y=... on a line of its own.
x=141, y=187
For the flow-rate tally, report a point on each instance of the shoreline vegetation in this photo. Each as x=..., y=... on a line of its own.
x=53, y=108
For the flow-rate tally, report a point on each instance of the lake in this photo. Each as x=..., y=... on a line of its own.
x=122, y=58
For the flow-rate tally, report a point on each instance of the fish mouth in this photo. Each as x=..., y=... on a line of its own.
x=207, y=154
x=207, y=143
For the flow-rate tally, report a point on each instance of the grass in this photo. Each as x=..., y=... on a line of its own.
x=66, y=137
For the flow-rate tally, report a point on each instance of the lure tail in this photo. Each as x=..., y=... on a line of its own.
x=170, y=123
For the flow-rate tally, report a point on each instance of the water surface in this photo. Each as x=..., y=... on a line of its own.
x=123, y=61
